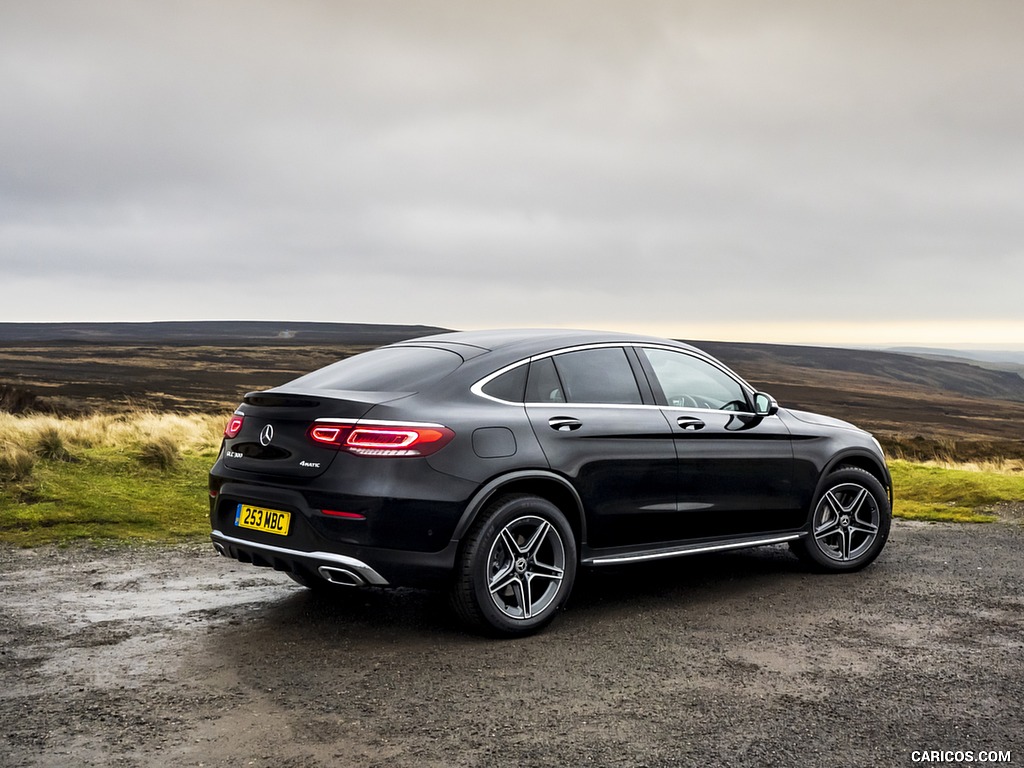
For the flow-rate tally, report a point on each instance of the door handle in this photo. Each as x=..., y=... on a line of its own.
x=690, y=422
x=564, y=423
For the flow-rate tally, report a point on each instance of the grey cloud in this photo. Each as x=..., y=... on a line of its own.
x=528, y=163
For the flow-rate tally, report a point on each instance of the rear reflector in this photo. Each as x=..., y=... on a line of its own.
x=234, y=426
x=344, y=515
x=382, y=440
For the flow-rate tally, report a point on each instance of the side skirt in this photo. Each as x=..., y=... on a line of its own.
x=620, y=555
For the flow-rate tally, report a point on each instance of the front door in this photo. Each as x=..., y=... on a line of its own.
x=735, y=468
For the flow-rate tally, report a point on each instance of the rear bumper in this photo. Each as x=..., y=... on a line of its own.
x=283, y=559
x=400, y=542
x=363, y=567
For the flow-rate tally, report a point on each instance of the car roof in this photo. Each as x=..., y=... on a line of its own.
x=529, y=341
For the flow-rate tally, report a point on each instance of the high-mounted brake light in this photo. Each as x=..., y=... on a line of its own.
x=382, y=440
x=234, y=426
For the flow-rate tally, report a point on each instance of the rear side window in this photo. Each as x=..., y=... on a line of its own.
x=509, y=386
x=388, y=369
x=598, y=376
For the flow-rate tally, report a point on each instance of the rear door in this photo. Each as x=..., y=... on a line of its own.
x=596, y=421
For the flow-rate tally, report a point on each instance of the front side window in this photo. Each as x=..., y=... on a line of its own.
x=598, y=376
x=689, y=382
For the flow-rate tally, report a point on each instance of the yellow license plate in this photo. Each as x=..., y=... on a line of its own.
x=260, y=519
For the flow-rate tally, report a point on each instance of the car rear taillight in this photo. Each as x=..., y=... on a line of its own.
x=382, y=439
x=234, y=426
x=331, y=436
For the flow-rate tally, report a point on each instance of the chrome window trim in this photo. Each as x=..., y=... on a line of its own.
x=477, y=389
x=571, y=406
x=668, y=409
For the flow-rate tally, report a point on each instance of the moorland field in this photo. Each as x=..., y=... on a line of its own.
x=108, y=432
x=919, y=407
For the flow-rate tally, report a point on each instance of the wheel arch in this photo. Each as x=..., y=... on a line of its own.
x=545, y=484
x=859, y=460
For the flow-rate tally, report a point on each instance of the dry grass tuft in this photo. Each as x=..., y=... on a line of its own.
x=15, y=462
x=160, y=452
x=50, y=445
x=192, y=432
x=954, y=453
x=196, y=433
x=996, y=466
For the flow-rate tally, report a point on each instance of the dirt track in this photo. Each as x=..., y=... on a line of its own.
x=177, y=657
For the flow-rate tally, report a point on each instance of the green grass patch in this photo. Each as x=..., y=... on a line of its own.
x=120, y=493
x=926, y=492
x=107, y=494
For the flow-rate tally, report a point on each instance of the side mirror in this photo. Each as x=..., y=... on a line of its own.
x=764, y=404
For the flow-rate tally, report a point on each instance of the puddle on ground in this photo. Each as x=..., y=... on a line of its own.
x=117, y=621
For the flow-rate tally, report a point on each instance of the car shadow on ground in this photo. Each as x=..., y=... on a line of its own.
x=696, y=578
x=352, y=614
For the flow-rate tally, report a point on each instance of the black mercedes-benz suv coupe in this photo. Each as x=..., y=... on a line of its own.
x=494, y=464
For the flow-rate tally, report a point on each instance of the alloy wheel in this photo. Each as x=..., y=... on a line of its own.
x=525, y=567
x=846, y=522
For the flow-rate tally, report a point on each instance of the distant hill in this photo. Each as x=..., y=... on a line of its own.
x=920, y=406
x=938, y=374
x=777, y=363
x=996, y=360
x=1009, y=357
x=211, y=332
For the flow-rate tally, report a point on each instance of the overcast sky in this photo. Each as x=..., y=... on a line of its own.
x=805, y=171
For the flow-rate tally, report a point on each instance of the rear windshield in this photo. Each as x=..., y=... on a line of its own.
x=389, y=369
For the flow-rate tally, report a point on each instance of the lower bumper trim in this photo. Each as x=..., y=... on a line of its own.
x=358, y=567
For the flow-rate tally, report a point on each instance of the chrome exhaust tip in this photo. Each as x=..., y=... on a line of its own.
x=220, y=549
x=341, y=576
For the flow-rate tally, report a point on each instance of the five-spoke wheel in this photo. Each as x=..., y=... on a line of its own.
x=517, y=567
x=526, y=567
x=846, y=521
x=850, y=522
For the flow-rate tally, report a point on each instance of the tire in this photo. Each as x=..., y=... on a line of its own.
x=517, y=567
x=849, y=523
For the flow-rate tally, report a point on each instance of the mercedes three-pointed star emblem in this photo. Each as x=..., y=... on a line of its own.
x=267, y=434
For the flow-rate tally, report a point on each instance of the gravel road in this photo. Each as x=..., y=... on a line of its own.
x=177, y=657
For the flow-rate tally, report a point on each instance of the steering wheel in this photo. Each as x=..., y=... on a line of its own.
x=684, y=401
